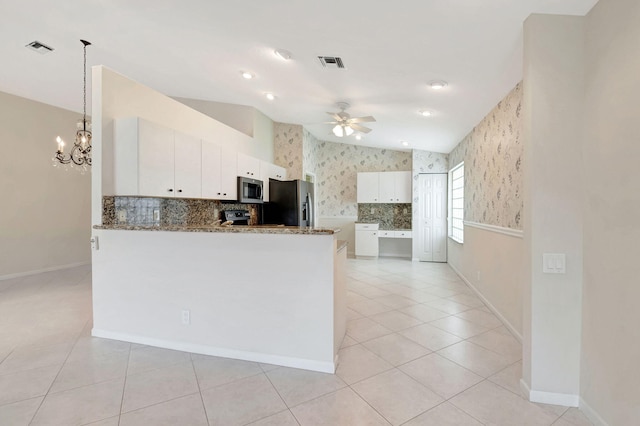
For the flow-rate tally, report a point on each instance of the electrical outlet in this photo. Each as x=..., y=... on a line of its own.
x=373, y=210
x=122, y=215
x=405, y=211
x=156, y=215
x=94, y=243
x=186, y=317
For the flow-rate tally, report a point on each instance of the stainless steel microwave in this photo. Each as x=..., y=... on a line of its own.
x=249, y=190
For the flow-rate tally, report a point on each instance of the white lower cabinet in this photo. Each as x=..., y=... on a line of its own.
x=367, y=239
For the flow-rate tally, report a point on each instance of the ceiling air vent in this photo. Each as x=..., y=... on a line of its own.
x=331, y=62
x=41, y=48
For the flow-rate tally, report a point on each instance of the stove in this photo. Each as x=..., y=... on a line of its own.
x=238, y=217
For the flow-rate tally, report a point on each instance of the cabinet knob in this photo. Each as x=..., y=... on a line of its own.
x=218, y=193
x=179, y=190
x=170, y=190
x=224, y=193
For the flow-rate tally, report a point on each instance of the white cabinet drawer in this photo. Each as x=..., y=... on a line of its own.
x=394, y=234
x=366, y=226
x=402, y=234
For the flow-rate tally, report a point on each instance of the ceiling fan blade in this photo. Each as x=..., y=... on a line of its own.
x=330, y=122
x=367, y=119
x=335, y=116
x=359, y=128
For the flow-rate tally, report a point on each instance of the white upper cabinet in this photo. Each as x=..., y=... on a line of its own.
x=188, y=166
x=219, y=174
x=156, y=159
x=387, y=191
x=367, y=189
x=270, y=171
x=248, y=166
x=402, y=187
x=152, y=160
x=384, y=187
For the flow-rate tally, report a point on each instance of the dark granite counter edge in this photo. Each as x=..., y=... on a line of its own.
x=242, y=229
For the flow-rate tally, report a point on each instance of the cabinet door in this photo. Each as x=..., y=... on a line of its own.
x=367, y=189
x=402, y=186
x=248, y=166
x=270, y=171
x=155, y=160
x=211, y=160
x=387, y=187
x=188, y=166
x=228, y=174
x=367, y=243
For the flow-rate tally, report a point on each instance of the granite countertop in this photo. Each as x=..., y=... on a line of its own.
x=237, y=229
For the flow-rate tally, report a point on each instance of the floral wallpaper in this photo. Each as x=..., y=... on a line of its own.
x=287, y=147
x=492, y=155
x=310, y=152
x=336, y=172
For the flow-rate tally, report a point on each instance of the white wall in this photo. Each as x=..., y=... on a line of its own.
x=45, y=213
x=610, y=374
x=245, y=119
x=491, y=262
x=553, y=105
x=116, y=96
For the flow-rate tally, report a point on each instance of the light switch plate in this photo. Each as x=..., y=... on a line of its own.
x=554, y=263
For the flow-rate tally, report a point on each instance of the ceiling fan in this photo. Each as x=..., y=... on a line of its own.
x=345, y=125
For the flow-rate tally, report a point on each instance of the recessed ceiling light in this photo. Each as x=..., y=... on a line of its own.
x=437, y=84
x=248, y=75
x=425, y=113
x=282, y=54
x=270, y=96
x=359, y=136
x=404, y=143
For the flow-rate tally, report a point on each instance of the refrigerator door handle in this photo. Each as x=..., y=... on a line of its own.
x=310, y=207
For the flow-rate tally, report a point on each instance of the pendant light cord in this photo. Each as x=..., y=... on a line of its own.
x=84, y=92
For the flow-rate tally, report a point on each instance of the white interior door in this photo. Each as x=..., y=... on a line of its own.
x=432, y=217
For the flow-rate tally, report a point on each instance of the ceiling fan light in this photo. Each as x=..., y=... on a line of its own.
x=348, y=130
x=338, y=131
x=247, y=75
x=425, y=113
x=358, y=136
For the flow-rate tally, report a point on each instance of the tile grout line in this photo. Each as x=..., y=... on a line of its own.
x=75, y=342
x=204, y=407
x=281, y=398
x=124, y=386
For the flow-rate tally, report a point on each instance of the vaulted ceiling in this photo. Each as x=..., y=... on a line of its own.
x=199, y=48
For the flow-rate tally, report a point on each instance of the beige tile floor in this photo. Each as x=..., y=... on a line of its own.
x=421, y=349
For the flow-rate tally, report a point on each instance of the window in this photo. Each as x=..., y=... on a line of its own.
x=456, y=203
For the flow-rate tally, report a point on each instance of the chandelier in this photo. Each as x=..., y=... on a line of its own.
x=80, y=155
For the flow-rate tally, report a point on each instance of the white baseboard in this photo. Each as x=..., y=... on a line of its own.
x=564, y=399
x=305, y=364
x=40, y=271
x=489, y=305
x=591, y=414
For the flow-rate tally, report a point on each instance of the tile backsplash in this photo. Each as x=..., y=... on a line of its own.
x=389, y=216
x=153, y=211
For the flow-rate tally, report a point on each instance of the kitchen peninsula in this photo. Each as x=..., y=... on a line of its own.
x=261, y=293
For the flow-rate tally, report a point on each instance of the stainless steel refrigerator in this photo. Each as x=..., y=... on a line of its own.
x=290, y=203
